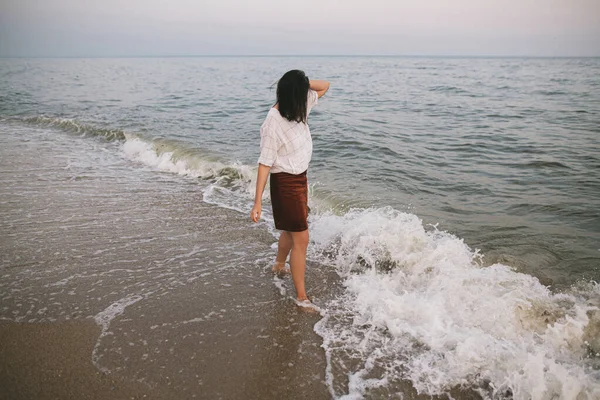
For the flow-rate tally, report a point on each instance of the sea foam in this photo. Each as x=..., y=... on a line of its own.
x=420, y=306
x=227, y=185
x=104, y=318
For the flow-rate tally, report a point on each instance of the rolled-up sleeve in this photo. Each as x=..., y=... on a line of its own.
x=269, y=145
x=312, y=99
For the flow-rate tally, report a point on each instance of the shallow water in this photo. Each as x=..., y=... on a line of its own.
x=183, y=295
x=417, y=163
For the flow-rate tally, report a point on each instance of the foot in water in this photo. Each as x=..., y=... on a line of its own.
x=306, y=305
x=280, y=268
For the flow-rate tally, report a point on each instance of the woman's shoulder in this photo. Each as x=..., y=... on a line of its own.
x=271, y=120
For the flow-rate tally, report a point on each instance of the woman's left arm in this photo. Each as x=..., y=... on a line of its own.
x=261, y=182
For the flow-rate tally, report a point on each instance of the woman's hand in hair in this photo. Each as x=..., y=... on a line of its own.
x=319, y=86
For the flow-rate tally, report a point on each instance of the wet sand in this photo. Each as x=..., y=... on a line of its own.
x=52, y=361
x=122, y=283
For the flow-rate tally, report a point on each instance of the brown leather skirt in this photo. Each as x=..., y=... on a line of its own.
x=289, y=197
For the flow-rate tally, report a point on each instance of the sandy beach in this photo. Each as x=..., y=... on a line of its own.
x=114, y=288
x=52, y=361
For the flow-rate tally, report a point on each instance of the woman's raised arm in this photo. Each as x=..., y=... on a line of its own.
x=319, y=86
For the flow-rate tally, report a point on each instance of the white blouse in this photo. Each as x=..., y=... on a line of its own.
x=286, y=146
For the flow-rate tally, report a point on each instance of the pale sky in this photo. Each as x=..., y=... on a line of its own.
x=308, y=27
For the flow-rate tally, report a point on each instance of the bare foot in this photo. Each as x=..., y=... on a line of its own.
x=307, y=306
x=280, y=268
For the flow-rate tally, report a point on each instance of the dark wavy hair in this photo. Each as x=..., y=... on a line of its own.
x=292, y=92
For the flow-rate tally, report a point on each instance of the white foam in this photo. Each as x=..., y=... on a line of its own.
x=422, y=308
x=142, y=151
x=229, y=186
x=280, y=284
x=104, y=319
x=139, y=150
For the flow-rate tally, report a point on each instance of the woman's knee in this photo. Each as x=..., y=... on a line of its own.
x=300, y=239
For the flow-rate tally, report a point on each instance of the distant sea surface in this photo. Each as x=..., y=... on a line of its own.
x=456, y=201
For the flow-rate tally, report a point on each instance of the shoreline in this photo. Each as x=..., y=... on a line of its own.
x=106, y=270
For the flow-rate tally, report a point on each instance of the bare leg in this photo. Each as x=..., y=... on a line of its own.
x=283, y=250
x=298, y=262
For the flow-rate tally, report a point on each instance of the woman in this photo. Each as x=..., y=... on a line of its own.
x=285, y=152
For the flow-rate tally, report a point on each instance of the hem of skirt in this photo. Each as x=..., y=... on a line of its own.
x=292, y=230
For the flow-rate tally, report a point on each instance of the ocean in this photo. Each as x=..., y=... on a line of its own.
x=454, y=225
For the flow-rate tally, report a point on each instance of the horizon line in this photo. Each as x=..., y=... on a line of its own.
x=296, y=55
